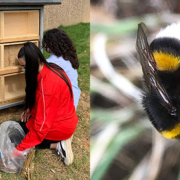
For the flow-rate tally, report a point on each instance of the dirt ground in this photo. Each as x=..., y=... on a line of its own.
x=47, y=164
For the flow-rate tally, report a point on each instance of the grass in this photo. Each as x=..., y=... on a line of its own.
x=47, y=160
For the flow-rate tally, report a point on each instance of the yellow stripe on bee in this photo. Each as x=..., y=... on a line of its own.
x=173, y=133
x=166, y=62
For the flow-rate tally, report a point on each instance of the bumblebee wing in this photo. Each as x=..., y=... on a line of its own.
x=149, y=69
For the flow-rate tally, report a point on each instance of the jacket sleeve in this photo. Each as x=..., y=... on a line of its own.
x=46, y=108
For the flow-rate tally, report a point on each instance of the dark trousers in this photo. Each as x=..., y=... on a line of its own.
x=45, y=143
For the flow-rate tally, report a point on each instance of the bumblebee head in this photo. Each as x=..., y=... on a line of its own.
x=166, y=48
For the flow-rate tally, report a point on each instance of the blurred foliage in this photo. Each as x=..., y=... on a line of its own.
x=122, y=129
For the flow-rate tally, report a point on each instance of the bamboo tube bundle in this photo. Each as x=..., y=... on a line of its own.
x=28, y=166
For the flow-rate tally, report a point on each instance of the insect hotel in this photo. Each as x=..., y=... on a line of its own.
x=20, y=21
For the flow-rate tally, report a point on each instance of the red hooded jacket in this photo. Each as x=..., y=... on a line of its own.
x=53, y=116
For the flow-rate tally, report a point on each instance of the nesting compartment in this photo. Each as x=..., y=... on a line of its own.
x=8, y=54
x=16, y=28
x=19, y=25
x=14, y=86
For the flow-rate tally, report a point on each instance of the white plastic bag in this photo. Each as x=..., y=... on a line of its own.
x=11, y=134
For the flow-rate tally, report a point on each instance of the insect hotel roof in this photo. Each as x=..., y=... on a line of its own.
x=29, y=2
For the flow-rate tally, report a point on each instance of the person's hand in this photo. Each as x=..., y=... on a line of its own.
x=25, y=115
x=15, y=154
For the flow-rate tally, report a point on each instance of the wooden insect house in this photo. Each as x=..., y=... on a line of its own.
x=20, y=21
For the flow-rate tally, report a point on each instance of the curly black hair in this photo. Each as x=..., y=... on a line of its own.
x=59, y=43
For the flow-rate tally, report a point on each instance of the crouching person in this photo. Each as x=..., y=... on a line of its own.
x=50, y=118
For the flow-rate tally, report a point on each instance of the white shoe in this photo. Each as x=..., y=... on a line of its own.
x=65, y=150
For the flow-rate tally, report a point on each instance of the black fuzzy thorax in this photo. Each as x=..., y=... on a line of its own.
x=158, y=114
x=165, y=44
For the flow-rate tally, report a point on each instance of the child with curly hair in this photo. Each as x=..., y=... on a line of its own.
x=57, y=42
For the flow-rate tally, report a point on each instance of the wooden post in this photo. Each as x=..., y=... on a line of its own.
x=2, y=25
x=2, y=88
x=2, y=56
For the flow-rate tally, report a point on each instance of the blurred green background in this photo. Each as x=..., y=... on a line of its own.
x=124, y=144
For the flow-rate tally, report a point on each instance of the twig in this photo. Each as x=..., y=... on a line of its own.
x=120, y=82
x=102, y=142
x=107, y=134
x=158, y=151
x=108, y=91
x=150, y=165
x=120, y=116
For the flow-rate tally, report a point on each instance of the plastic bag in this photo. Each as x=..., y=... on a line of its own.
x=11, y=134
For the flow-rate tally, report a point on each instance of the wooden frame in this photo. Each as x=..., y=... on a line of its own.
x=8, y=54
x=1, y=88
x=19, y=25
x=12, y=87
x=7, y=73
x=29, y=2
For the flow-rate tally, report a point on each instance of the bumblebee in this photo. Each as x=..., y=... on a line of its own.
x=160, y=63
